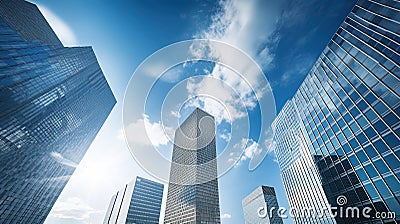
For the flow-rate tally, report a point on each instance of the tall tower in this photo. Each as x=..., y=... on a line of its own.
x=137, y=202
x=53, y=101
x=193, y=185
x=341, y=130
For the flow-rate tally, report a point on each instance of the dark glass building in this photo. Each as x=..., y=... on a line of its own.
x=262, y=197
x=344, y=119
x=193, y=185
x=137, y=203
x=53, y=101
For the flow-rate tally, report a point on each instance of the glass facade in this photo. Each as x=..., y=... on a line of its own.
x=299, y=173
x=347, y=109
x=136, y=203
x=262, y=197
x=193, y=203
x=53, y=101
x=146, y=202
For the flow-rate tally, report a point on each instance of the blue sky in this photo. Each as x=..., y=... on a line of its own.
x=285, y=37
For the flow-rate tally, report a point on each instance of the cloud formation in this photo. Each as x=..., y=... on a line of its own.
x=248, y=25
x=252, y=149
x=226, y=216
x=253, y=27
x=145, y=130
x=73, y=208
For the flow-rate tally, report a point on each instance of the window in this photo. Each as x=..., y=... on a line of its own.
x=362, y=156
x=370, y=151
x=391, y=140
x=361, y=138
x=371, y=190
x=393, y=183
x=370, y=114
x=382, y=188
x=370, y=98
x=371, y=171
x=354, y=161
x=391, y=119
x=380, y=126
x=380, y=108
x=392, y=161
x=380, y=146
x=381, y=166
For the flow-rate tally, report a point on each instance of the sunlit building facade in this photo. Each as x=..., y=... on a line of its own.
x=262, y=197
x=138, y=202
x=298, y=171
x=53, y=101
x=346, y=116
x=193, y=185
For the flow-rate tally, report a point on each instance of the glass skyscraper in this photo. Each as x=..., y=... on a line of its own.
x=53, y=101
x=262, y=197
x=299, y=173
x=193, y=185
x=138, y=202
x=339, y=135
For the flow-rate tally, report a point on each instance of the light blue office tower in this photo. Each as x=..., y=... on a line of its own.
x=138, y=202
x=53, y=101
x=338, y=137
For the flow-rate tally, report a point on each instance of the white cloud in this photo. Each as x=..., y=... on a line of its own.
x=63, y=31
x=252, y=27
x=145, y=130
x=226, y=216
x=61, y=159
x=252, y=149
x=225, y=136
x=269, y=142
x=248, y=25
x=72, y=208
x=267, y=148
x=161, y=67
x=175, y=114
x=217, y=98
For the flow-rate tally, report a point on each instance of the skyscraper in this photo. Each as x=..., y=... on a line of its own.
x=193, y=185
x=262, y=197
x=296, y=163
x=138, y=202
x=53, y=101
x=341, y=129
